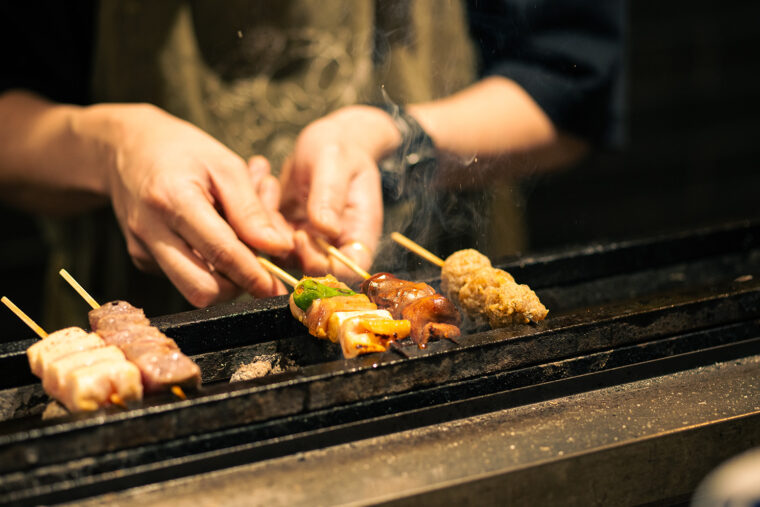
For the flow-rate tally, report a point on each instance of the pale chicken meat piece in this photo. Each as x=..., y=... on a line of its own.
x=59, y=344
x=92, y=387
x=54, y=379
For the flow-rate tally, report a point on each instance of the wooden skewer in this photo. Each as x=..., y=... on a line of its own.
x=117, y=400
x=342, y=258
x=414, y=247
x=277, y=271
x=177, y=390
x=27, y=320
x=179, y=393
x=80, y=290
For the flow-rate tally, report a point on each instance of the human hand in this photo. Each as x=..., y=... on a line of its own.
x=189, y=206
x=331, y=187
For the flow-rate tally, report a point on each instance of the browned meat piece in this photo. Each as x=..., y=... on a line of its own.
x=131, y=334
x=432, y=316
x=115, y=316
x=162, y=367
x=393, y=294
x=157, y=356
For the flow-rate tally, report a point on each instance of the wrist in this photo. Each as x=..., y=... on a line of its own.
x=97, y=130
x=414, y=157
x=374, y=130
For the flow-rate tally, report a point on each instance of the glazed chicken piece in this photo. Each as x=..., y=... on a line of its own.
x=431, y=315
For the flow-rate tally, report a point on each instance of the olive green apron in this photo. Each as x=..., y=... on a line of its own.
x=252, y=74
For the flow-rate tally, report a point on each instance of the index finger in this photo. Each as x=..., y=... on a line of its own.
x=198, y=223
x=255, y=224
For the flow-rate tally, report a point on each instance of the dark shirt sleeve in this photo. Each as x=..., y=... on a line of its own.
x=46, y=47
x=567, y=55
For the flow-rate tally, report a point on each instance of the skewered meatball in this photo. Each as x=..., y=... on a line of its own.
x=493, y=295
x=458, y=268
x=488, y=294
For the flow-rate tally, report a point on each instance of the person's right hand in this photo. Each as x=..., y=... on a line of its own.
x=189, y=206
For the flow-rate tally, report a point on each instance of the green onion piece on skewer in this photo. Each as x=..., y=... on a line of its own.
x=308, y=290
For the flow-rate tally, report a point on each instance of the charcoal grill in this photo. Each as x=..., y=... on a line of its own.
x=620, y=313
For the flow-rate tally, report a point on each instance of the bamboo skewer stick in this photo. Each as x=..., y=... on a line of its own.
x=342, y=258
x=179, y=393
x=277, y=271
x=414, y=247
x=24, y=317
x=80, y=290
x=176, y=390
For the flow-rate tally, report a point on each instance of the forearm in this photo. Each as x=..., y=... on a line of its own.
x=493, y=116
x=51, y=156
x=496, y=119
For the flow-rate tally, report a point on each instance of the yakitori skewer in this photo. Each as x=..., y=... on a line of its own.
x=137, y=324
x=62, y=357
x=431, y=314
x=331, y=310
x=483, y=292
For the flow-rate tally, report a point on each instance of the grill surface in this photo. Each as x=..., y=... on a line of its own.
x=619, y=312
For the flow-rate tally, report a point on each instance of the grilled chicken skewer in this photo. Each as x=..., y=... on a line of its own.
x=79, y=370
x=331, y=310
x=162, y=365
x=485, y=293
x=431, y=315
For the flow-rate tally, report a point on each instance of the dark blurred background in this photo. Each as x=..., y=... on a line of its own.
x=691, y=109
x=692, y=106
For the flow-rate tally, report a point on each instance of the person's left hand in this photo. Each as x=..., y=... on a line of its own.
x=331, y=187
